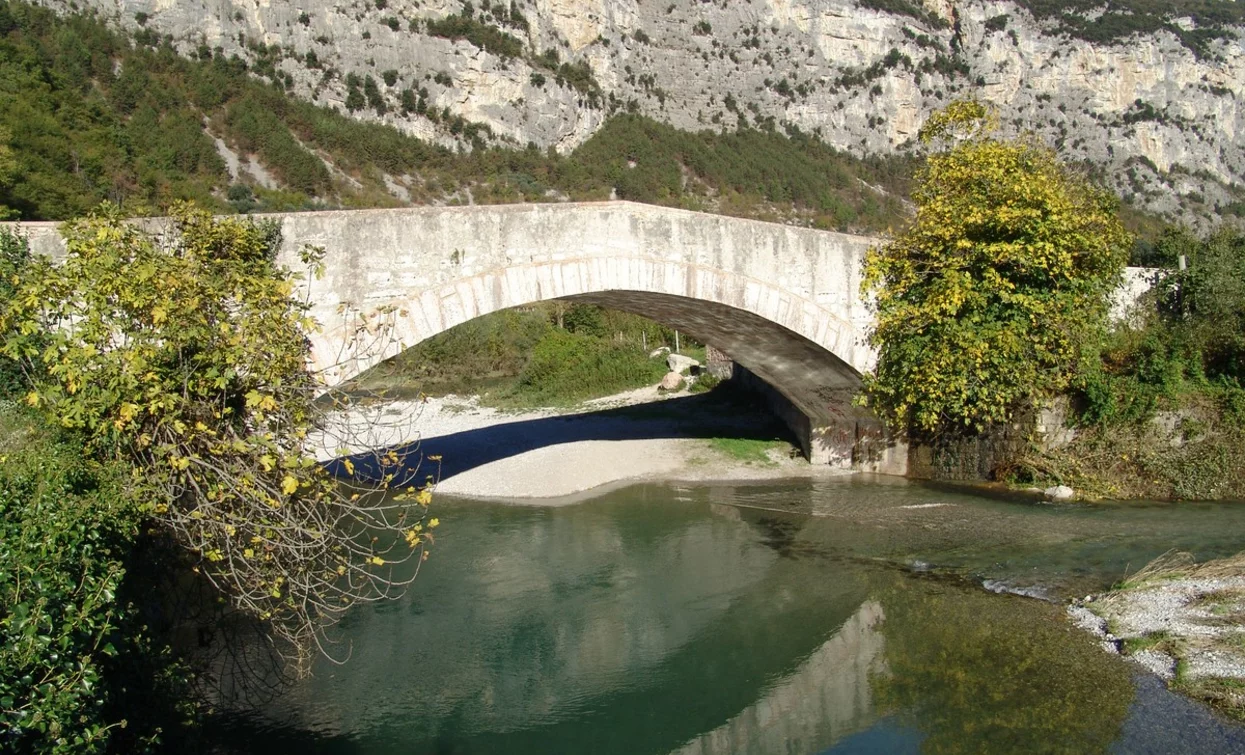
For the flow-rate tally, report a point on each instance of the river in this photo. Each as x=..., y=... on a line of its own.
x=852, y=615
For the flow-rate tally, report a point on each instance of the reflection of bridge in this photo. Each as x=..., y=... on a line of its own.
x=783, y=302
x=629, y=626
x=826, y=698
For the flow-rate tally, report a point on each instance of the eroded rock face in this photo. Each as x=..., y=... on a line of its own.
x=1164, y=124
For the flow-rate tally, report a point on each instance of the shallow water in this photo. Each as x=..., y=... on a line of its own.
x=847, y=616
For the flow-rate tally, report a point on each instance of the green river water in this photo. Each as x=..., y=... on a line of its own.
x=853, y=615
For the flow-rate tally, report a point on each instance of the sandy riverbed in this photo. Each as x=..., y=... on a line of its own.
x=548, y=456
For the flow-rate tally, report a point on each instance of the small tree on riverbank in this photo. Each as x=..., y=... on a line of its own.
x=987, y=301
x=184, y=357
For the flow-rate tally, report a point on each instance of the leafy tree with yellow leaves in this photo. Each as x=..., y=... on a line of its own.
x=184, y=355
x=987, y=300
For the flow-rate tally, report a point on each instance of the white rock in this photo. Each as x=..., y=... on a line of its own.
x=680, y=363
x=1060, y=493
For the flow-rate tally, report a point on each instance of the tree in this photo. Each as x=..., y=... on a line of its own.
x=986, y=301
x=8, y=171
x=184, y=356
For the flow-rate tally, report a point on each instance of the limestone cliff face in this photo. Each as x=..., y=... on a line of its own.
x=1166, y=126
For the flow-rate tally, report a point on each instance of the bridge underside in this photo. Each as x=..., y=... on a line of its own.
x=809, y=387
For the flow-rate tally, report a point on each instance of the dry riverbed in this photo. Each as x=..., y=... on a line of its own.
x=1182, y=621
x=556, y=455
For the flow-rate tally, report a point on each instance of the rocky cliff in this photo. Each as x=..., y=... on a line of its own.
x=1158, y=111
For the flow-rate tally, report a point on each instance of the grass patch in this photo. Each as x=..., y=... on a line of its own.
x=567, y=368
x=1224, y=694
x=1227, y=604
x=1162, y=642
x=547, y=354
x=747, y=449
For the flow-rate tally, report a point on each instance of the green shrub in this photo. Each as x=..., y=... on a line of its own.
x=705, y=383
x=1191, y=344
x=585, y=319
x=986, y=303
x=67, y=641
x=568, y=367
x=478, y=33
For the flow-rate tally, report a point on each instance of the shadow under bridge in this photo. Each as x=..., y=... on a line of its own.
x=806, y=385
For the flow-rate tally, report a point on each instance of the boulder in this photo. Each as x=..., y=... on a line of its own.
x=658, y=352
x=673, y=381
x=680, y=363
x=1059, y=493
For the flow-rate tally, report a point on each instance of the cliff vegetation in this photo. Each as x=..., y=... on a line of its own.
x=95, y=116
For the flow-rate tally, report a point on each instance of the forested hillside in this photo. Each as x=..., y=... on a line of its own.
x=94, y=116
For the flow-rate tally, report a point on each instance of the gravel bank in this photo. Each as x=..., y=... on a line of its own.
x=1181, y=621
x=547, y=455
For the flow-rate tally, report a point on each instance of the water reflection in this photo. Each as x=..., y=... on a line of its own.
x=730, y=619
x=826, y=697
x=978, y=673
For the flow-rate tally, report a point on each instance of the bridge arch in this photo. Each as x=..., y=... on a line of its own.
x=783, y=302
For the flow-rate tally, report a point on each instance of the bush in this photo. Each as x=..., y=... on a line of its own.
x=705, y=382
x=568, y=367
x=212, y=431
x=585, y=319
x=482, y=35
x=1190, y=344
x=76, y=673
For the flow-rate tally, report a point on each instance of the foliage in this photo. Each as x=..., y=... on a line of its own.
x=1189, y=343
x=906, y=8
x=567, y=367
x=83, y=129
x=64, y=534
x=8, y=169
x=478, y=33
x=79, y=672
x=1160, y=409
x=489, y=354
x=1112, y=21
x=14, y=260
x=184, y=358
x=473, y=357
x=650, y=162
x=705, y=382
x=1206, y=301
x=986, y=302
x=1161, y=412
x=257, y=128
x=94, y=117
x=585, y=319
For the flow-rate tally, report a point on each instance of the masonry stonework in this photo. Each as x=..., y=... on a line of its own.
x=782, y=302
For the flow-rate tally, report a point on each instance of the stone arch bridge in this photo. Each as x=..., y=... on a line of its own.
x=783, y=302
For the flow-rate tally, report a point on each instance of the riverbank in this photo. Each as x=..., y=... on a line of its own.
x=1182, y=621
x=554, y=456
